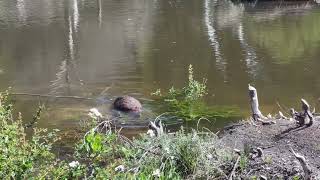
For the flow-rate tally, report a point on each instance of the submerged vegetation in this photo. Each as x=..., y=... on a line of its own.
x=188, y=103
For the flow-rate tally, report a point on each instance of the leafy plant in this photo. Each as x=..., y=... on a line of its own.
x=187, y=103
x=20, y=157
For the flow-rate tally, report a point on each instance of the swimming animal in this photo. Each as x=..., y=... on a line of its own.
x=127, y=104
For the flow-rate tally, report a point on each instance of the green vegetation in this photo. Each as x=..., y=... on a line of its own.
x=188, y=103
x=105, y=154
x=25, y=158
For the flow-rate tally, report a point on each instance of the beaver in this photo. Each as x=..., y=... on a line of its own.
x=127, y=104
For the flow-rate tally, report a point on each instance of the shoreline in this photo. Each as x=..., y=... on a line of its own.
x=276, y=142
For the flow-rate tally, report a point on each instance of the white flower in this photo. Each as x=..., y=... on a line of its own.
x=209, y=156
x=151, y=133
x=167, y=150
x=74, y=164
x=119, y=168
x=94, y=113
x=156, y=173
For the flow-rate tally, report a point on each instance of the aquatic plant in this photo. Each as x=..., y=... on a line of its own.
x=188, y=103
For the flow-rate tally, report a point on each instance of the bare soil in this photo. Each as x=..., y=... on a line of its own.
x=276, y=140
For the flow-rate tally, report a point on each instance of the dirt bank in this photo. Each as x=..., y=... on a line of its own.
x=276, y=140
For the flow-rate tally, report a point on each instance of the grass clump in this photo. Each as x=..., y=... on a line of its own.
x=172, y=156
x=188, y=103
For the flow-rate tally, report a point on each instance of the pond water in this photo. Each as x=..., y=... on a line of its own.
x=105, y=48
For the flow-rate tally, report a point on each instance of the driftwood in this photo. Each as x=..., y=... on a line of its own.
x=305, y=117
x=281, y=116
x=254, y=104
x=302, y=160
x=155, y=128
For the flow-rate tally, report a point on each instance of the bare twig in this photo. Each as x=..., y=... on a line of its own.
x=282, y=116
x=306, y=168
x=156, y=127
x=284, y=109
x=103, y=124
x=232, y=173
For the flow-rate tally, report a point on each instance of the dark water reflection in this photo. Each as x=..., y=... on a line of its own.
x=80, y=47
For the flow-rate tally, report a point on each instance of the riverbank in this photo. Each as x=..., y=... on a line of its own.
x=277, y=142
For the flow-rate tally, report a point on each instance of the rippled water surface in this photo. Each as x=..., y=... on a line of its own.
x=105, y=48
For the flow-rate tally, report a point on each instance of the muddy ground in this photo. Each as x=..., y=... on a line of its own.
x=276, y=140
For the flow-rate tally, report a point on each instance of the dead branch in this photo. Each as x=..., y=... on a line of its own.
x=306, y=168
x=284, y=109
x=282, y=116
x=107, y=125
x=156, y=128
x=232, y=173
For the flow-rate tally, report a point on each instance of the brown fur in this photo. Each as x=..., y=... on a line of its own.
x=127, y=104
